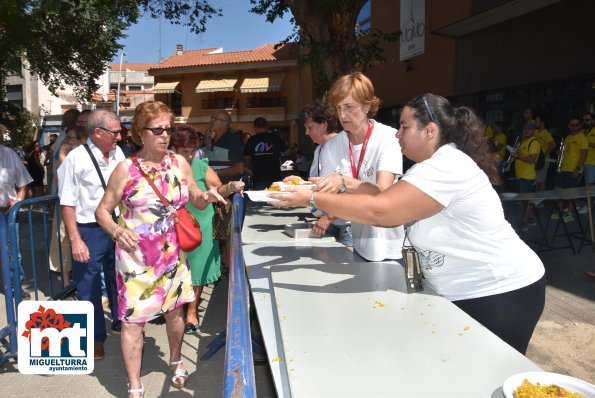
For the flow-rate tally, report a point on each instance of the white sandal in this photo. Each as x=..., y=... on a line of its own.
x=135, y=390
x=178, y=374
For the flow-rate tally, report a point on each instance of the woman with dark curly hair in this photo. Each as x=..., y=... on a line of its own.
x=468, y=252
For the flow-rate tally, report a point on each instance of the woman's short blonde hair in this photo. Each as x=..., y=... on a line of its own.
x=144, y=113
x=359, y=87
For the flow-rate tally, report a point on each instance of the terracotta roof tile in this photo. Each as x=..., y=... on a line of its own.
x=215, y=56
x=134, y=67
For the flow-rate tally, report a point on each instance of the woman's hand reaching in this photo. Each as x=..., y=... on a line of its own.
x=237, y=187
x=212, y=196
x=330, y=183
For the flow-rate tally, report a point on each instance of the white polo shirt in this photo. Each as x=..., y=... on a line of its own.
x=78, y=182
x=13, y=174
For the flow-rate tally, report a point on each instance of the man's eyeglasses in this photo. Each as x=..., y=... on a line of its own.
x=114, y=132
x=160, y=130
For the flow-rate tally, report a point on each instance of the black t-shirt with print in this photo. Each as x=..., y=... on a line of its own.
x=265, y=150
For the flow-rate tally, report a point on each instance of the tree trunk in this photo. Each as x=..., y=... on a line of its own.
x=327, y=30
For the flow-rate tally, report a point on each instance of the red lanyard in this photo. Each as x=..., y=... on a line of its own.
x=355, y=171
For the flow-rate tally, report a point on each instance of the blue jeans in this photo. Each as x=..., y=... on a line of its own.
x=87, y=276
x=525, y=186
x=589, y=171
x=342, y=233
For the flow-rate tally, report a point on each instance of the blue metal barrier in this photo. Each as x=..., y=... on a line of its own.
x=38, y=239
x=239, y=366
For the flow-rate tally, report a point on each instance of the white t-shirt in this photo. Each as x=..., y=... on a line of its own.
x=382, y=154
x=13, y=175
x=78, y=182
x=468, y=250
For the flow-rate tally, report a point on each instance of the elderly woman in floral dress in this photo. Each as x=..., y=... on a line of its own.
x=153, y=276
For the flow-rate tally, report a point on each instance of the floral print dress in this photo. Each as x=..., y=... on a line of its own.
x=155, y=278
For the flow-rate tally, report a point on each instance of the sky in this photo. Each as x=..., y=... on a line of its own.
x=237, y=30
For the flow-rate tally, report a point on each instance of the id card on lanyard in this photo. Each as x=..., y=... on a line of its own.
x=355, y=170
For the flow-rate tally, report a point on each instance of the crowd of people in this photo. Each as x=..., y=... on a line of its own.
x=567, y=159
x=119, y=239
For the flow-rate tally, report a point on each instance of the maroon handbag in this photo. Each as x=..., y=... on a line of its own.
x=186, y=226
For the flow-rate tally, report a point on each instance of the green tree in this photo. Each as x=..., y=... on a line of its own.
x=64, y=41
x=72, y=42
x=19, y=121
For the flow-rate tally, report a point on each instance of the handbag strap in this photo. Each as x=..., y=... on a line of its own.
x=114, y=217
x=165, y=202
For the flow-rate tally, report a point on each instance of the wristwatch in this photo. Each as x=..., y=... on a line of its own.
x=342, y=188
x=311, y=203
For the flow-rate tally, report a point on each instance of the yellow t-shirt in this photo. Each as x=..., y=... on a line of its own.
x=487, y=129
x=489, y=132
x=544, y=137
x=500, y=139
x=591, y=138
x=573, y=144
x=529, y=146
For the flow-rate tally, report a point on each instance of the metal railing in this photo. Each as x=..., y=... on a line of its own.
x=33, y=245
x=239, y=365
x=239, y=380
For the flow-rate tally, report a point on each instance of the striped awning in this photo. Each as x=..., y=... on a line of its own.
x=165, y=87
x=262, y=84
x=215, y=85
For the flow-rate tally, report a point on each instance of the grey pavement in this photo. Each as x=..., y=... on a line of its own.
x=109, y=377
x=570, y=312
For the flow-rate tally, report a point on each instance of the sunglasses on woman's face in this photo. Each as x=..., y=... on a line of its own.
x=159, y=130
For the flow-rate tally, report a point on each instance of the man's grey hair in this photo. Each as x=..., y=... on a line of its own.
x=99, y=118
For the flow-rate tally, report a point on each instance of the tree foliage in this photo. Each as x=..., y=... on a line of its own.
x=65, y=41
x=73, y=41
x=19, y=122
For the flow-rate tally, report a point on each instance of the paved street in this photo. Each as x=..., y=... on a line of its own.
x=564, y=342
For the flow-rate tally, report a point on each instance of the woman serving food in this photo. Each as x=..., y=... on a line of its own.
x=469, y=255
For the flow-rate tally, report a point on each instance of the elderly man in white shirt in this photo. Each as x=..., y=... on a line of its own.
x=81, y=189
x=14, y=179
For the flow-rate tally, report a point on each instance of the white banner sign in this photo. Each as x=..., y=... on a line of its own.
x=413, y=28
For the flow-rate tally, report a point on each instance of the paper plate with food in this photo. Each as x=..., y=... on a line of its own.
x=294, y=182
x=546, y=384
x=262, y=196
